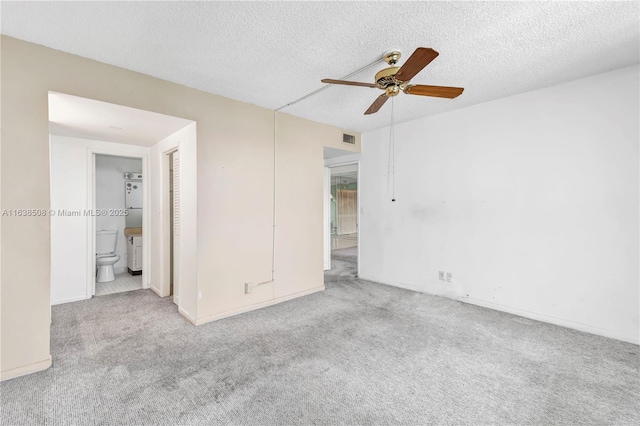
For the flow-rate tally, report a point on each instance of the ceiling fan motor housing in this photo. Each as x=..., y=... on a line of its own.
x=386, y=77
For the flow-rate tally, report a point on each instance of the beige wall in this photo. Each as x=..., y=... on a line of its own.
x=234, y=187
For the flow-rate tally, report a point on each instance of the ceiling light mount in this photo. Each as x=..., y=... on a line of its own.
x=392, y=57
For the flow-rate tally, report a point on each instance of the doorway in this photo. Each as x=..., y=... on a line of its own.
x=342, y=211
x=86, y=133
x=344, y=207
x=119, y=199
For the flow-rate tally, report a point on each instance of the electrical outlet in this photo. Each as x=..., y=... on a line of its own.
x=248, y=288
x=199, y=295
x=441, y=275
x=449, y=277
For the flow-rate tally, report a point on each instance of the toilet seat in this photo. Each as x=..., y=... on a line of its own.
x=107, y=259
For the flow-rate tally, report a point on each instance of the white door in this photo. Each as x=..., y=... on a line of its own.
x=176, y=227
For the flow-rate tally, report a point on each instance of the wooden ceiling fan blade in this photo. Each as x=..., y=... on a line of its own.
x=436, y=91
x=348, y=83
x=416, y=62
x=377, y=104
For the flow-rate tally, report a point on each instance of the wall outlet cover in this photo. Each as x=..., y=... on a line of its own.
x=449, y=276
x=441, y=275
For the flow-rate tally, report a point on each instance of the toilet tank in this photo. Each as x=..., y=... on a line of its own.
x=106, y=241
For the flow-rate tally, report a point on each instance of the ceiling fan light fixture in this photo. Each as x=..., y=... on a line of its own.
x=392, y=90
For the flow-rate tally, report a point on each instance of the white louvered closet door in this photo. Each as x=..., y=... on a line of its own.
x=176, y=227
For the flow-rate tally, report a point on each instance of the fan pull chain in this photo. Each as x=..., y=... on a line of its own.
x=391, y=165
x=389, y=153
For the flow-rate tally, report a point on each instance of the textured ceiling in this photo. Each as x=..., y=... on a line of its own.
x=271, y=53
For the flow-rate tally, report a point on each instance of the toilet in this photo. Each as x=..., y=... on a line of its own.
x=105, y=255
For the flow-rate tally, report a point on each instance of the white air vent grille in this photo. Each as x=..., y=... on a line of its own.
x=350, y=139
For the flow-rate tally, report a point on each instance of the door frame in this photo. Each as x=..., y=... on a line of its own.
x=143, y=154
x=166, y=201
x=326, y=205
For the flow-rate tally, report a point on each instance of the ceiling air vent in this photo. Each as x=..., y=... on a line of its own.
x=350, y=139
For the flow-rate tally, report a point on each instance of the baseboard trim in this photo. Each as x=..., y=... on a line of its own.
x=72, y=299
x=187, y=316
x=24, y=370
x=155, y=290
x=520, y=312
x=553, y=320
x=394, y=284
x=255, y=306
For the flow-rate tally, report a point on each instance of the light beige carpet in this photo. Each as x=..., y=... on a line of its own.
x=357, y=353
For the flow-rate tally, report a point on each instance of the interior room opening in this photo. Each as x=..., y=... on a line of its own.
x=341, y=211
x=344, y=208
x=342, y=217
x=107, y=177
x=119, y=247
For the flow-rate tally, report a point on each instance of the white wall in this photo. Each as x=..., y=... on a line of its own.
x=110, y=194
x=69, y=191
x=530, y=201
x=68, y=234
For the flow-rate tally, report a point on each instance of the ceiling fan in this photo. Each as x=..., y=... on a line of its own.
x=395, y=79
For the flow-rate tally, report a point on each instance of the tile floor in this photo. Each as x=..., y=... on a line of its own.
x=123, y=282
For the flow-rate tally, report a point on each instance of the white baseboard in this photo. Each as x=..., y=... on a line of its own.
x=27, y=369
x=72, y=299
x=253, y=307
x=553, y=320
x=155, y=290
x=393, y=284
x=187, y=316
x=520, y=312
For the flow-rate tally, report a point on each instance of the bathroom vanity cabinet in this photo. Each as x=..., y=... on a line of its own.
x=134, y=254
